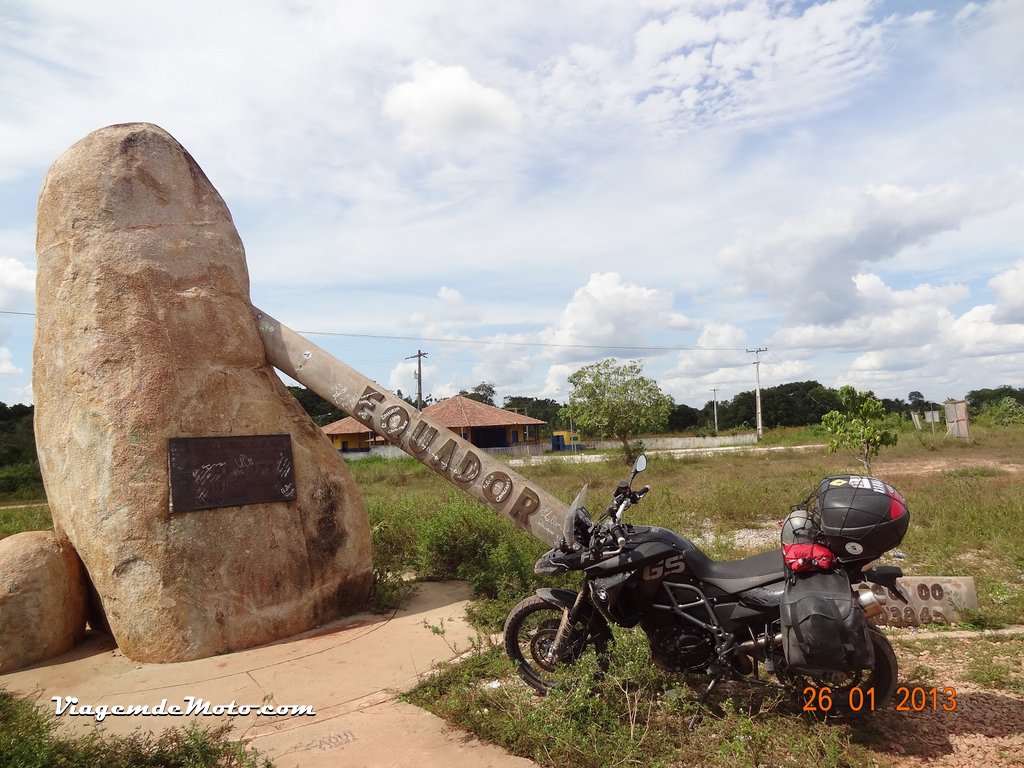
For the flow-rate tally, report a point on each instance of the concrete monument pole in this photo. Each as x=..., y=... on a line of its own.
x=457, y=460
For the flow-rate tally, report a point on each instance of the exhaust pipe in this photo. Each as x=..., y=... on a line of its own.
x=872, y=603
x=752, y=646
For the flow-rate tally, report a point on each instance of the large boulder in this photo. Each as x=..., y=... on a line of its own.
x=144, y=333
x=42, y=599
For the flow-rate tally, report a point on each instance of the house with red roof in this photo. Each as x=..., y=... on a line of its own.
x=483, y=425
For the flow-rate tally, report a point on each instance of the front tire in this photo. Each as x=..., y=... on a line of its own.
x=530, y=631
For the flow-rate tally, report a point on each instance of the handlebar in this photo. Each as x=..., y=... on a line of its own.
x=622, y=500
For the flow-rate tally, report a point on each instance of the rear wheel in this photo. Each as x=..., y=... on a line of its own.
x=849, y=695
x=530, y=631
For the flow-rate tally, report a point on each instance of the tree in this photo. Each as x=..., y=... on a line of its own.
x=859, y=427
x=1005, y=412
x=977, y=399
x=411, y=399
x=19, y=466
x=544, y=409
x=321, y=411
x=482, y=393
x=683, y=417
x=17, y=435
x=617, y=400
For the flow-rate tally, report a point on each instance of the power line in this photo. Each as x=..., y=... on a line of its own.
x=523, y=343
x=609, y=347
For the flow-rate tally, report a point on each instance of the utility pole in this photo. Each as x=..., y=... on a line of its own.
x=757, y=394
x=420, y=354
x=714, y=392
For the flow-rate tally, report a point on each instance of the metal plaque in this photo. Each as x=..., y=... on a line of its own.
x=211, y=472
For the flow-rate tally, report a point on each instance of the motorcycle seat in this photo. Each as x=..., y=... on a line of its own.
x=737, y=575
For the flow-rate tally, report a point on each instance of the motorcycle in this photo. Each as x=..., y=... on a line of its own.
x=801, y=612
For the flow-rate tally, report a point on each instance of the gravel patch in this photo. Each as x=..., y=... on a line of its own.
x=963, y=726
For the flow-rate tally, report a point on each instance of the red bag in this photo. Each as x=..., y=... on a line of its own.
x=808, y=557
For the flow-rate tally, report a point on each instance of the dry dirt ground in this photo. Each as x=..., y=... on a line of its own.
x=963, y=724
x=986, y=727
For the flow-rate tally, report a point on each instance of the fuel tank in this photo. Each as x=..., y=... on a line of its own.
x=645, y=545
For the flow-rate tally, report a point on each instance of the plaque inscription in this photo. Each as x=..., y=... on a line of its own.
x=211, y=472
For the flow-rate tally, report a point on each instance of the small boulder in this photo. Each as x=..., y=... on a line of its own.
x=42, y=599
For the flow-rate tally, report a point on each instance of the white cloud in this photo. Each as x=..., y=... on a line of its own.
x=760, y=62
x=814, y=258
x=893, y=319
x=611, y=313
x=1009, y=290
x=556, y=382
x=719, y=344
x=17, y=284
x=976, y=334
x=7, y=365
x=449, y=295
x=441, y=108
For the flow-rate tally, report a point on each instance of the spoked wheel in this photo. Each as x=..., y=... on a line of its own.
x=530, y=632
x=845, y=695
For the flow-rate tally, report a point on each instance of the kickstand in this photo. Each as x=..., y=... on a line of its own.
x=701, y=700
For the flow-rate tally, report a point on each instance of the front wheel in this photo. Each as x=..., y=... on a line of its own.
x=849, y=695
x=530, y=631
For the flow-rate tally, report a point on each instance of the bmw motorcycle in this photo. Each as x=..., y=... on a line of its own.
x=801, y=612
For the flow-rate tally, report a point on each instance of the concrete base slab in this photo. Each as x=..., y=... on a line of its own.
x=348, y=673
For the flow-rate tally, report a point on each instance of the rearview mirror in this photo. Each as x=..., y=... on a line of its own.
x=640, y=465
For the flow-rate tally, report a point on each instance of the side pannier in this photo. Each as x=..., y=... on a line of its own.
x=823, y=628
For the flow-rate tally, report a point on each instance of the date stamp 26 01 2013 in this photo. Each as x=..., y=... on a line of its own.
x=907, y=699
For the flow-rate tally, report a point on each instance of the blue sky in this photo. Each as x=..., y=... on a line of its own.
x=522, y=188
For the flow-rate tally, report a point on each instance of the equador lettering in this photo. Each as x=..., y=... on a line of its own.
x=497, y=486
x=367, y=404
x=468, y=469
x=394, y=421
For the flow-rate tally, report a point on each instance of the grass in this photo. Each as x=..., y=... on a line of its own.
x=30, y=738
x=634, y=715
x=967, y=520
x=991, y=661
x=18, y=517
x=995, y=664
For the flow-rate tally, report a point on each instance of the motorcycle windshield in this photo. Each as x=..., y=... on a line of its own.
x=569, y=526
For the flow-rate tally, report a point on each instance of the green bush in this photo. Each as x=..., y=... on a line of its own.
x=466, y=540
x=395, y=526
x=1004, y=413
x=22, y=481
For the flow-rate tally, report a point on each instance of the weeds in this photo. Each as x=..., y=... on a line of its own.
x=967, y=521
x=632, y=715
x=16, y=518
x=995, y=664
x=29, y=738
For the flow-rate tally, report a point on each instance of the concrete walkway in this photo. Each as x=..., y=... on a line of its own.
x=349, y=673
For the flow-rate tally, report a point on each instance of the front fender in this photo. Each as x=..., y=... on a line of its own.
x=563, y=598
x=566, y=599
